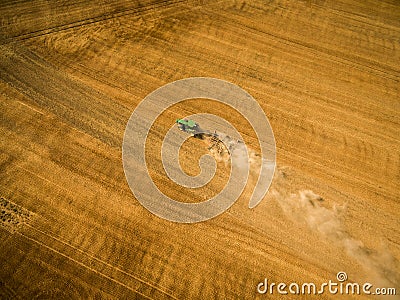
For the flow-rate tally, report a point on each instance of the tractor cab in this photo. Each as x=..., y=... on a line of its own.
x=188, y=126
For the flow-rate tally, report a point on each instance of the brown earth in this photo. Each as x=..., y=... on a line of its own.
x=325, y=72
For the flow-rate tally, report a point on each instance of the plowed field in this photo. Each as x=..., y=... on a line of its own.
x=325, y=72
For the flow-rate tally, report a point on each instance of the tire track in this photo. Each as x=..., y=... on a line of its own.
x=93, y=264
x=160, y=5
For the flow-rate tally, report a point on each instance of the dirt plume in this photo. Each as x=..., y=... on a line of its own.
x=307, y=207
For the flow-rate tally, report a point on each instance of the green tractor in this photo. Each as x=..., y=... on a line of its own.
x=189, y=126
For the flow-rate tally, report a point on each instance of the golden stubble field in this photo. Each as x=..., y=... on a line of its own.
x=325, y=72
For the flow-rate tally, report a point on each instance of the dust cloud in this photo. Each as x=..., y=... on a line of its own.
x=306, y=207
x=222, y=147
